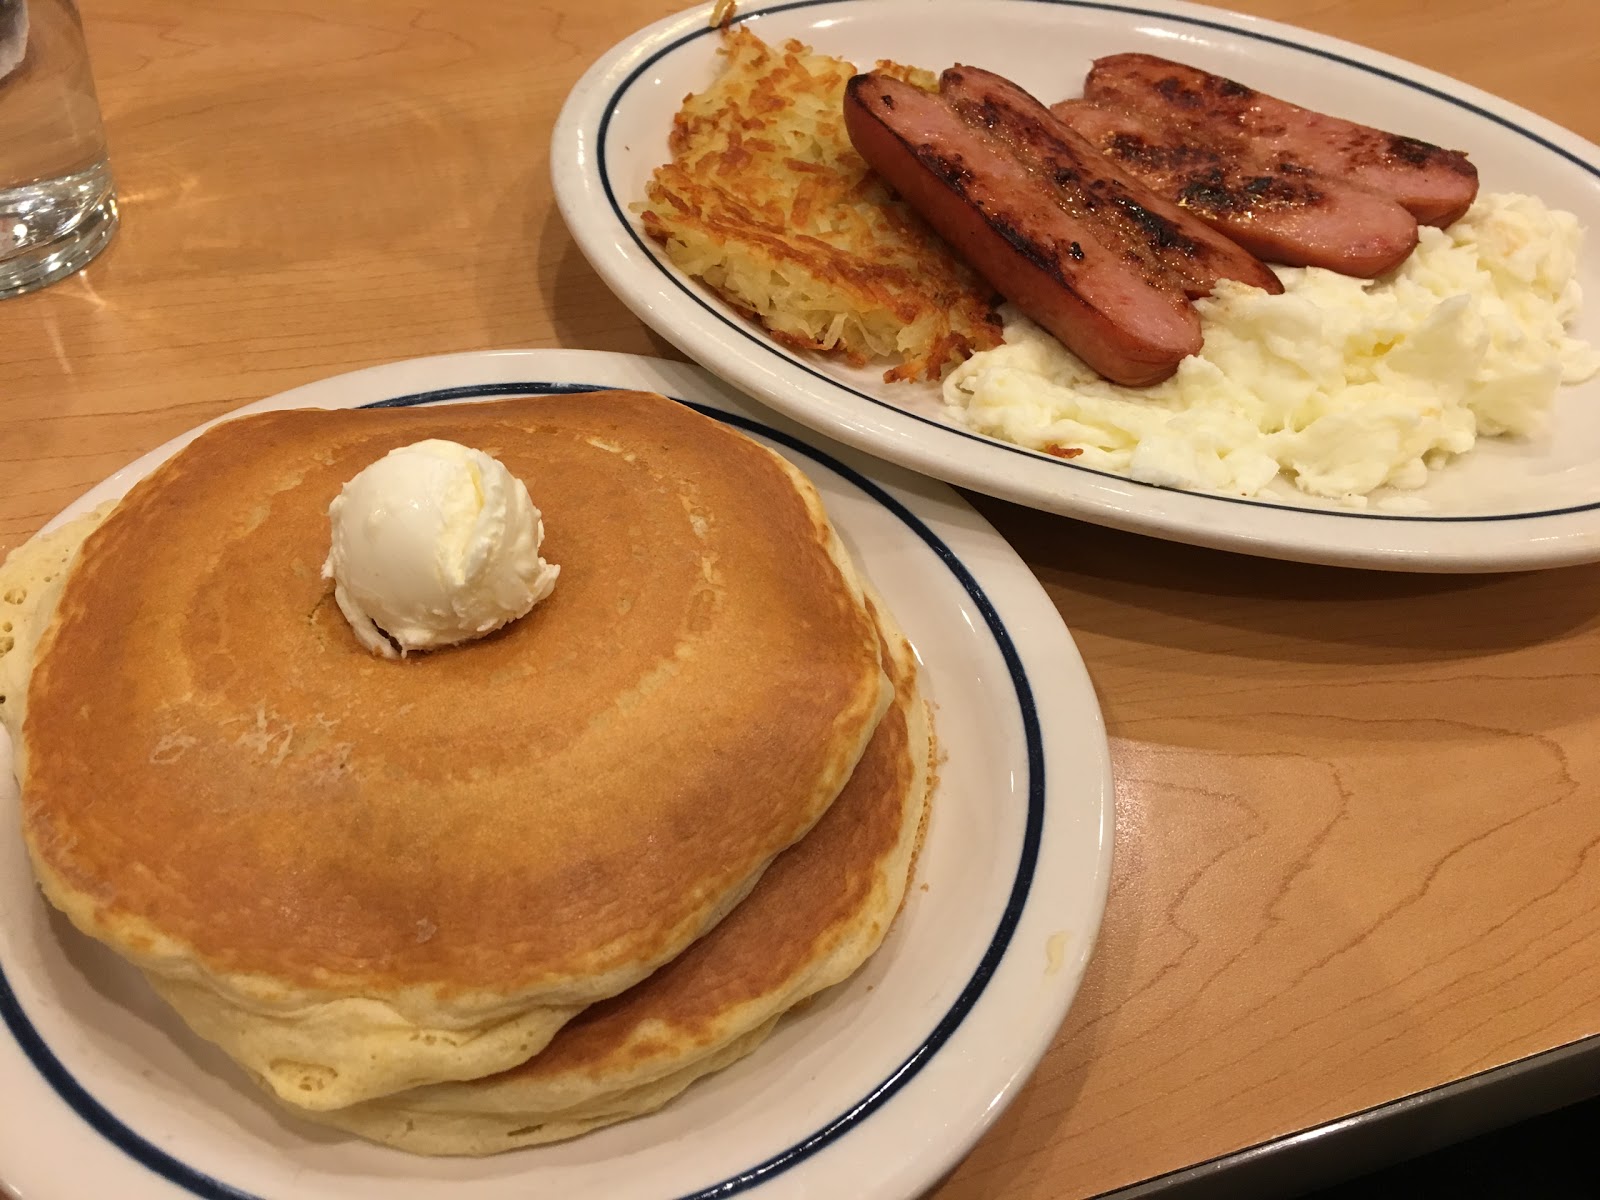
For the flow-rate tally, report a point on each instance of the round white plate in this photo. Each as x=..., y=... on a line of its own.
x=874, y=1091
x=1505, y=507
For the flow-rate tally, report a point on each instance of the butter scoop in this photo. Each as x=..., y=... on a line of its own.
x=433, y=544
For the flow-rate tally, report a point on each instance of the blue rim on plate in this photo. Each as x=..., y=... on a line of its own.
x=743, y=330
x=200, y=1184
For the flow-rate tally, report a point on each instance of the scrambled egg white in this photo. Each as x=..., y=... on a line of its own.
x=1343, y=385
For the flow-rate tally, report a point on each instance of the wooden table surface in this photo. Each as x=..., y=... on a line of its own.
x=1356, y=819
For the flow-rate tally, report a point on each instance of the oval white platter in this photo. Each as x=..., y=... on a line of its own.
x=1506, y=506
x=874, y=1091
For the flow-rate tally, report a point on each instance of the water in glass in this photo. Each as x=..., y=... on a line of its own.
x=57, y=204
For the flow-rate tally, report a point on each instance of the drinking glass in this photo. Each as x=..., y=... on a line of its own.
x=58, y=207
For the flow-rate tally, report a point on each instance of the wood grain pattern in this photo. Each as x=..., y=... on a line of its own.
x=1355, y=850
x=1356, y=845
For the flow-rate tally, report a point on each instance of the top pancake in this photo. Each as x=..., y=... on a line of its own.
x=220, y=782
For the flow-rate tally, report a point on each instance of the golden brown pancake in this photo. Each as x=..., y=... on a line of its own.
x=820, y=910
x=31, y=579
x=358, y=874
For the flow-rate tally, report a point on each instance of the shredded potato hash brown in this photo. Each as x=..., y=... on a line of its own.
x=767, y=202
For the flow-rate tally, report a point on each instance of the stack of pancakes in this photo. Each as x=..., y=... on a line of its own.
x=500, y=893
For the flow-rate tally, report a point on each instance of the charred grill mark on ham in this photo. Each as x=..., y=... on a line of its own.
x=1125, y=215
x=1270, y=203
x=1039, y=243
x=1434, y=184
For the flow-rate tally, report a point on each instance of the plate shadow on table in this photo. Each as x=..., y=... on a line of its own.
x=1145, y=589
x=599, y=322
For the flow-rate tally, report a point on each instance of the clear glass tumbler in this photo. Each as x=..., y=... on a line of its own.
x=58, y=207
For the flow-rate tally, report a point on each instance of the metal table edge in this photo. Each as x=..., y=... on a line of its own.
x=1376, y=1137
